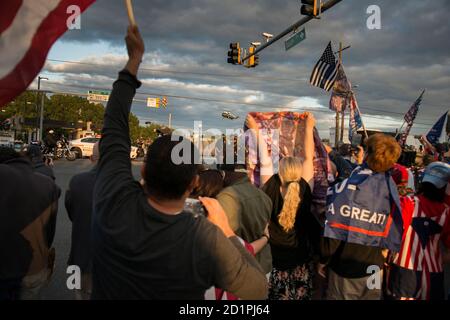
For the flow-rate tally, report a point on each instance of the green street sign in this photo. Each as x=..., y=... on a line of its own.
x=295, y=39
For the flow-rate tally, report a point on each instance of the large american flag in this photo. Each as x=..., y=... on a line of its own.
x=28, y=29
x=325, y=72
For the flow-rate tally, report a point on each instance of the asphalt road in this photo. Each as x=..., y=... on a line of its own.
x=64, y=171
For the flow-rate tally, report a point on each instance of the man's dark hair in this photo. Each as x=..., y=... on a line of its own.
x=210, y=184
x=165, y=179
x=430, y=191
x=7, y=153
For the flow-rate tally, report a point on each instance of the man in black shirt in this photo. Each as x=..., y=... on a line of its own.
x=145, y=245
x=28, y=209
x=79, y=204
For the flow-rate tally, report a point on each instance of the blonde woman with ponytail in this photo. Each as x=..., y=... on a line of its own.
x=294, y=231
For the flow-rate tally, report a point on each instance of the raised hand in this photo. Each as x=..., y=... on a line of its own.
x=135, y=48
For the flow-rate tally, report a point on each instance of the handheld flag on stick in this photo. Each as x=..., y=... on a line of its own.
x=130, y=12
x=355, y=119
x=438, y=132
x=325, y=71
x=29, y=31
x=410, y=116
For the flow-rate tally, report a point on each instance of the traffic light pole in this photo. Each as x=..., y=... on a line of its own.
x=295, y=26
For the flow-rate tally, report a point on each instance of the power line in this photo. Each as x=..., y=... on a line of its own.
x=224, y=75
x=323, y=110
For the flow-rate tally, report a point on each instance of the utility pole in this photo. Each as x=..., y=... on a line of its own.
x=343, y=110
x=337, y=136
x=170, y=120
x=41, y=118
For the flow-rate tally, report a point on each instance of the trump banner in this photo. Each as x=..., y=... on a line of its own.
x=291, y=129
x=28, y=29
x=365, y=209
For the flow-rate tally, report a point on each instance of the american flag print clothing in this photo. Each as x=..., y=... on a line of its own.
x=427, y=223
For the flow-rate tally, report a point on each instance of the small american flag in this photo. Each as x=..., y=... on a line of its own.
x=326, y=69
x=410, y=116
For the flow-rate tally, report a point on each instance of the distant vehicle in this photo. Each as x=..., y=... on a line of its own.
x=62, y=150
x=229, y=115
x=83, y=147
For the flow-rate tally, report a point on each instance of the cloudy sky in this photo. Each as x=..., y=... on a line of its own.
x=187, y=42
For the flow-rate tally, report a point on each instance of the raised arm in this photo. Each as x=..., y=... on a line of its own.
x=114, y=168
x=266, y=166
x=308, y=163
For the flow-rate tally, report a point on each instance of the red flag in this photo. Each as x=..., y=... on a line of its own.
x=28, y=29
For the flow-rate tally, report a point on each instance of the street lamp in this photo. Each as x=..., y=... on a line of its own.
x=41, y=119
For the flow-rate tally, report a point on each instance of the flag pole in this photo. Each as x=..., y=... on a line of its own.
x=130, y=12
x=360, y=114
x=400, y=130
x=338, y=137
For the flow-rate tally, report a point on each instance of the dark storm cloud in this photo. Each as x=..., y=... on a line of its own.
x=391, y=66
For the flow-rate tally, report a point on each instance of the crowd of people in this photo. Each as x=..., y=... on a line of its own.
x=135, y=239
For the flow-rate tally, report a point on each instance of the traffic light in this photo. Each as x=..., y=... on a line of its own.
x=311, y=7
x=253, y=61
x=234, y=55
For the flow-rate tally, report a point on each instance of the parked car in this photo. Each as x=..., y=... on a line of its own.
x=83, y=147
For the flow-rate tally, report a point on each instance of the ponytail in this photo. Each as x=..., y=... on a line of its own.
x=291, y=203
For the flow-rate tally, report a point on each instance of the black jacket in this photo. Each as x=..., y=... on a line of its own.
x=28, y=207
x=79, y=206
x=297, y=246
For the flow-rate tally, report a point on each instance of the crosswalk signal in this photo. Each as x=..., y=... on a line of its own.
x=256, y=60
x=234, y=55
x=311, y=8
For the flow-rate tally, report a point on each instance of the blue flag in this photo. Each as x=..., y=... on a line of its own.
x=355, y=118
x=435, y=133
x=365, y=209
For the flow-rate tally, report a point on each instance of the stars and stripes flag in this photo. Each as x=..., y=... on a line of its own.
x=355, y=119
x=342, y=91
x=28, y=29
x=325, y=72
x=410, y=116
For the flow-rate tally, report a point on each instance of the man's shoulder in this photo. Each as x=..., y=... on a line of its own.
x=83, y=177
